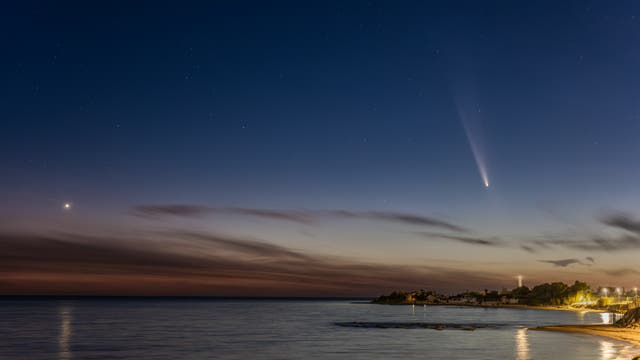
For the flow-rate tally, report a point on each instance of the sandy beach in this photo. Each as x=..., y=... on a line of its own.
x=548, y=307
x=619, y=333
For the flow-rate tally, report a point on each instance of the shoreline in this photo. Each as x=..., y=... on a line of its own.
x=610, y=331
x=628, y=335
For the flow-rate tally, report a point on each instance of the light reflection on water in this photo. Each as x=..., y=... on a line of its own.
x=607, y=350
x=522, y=344
x=64, y=338
x=610, y=318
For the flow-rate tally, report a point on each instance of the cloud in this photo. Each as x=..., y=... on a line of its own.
x=464, y=239
x=244, y=246
x=527, y=248
x=622, y=221
x=401, y=218
x=562, y=262
x=171, y=210
x=621, y=272
x=297, y=216
x=186, y=210
x=629, y=239
x=594, y=243
x=590, y=259
x=191, y=263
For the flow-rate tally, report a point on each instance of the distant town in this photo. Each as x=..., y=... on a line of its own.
x=556, y=294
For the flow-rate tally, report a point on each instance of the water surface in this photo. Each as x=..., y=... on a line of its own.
x=285, y=329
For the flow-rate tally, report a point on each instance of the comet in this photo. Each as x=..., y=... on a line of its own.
x=471, y=125
x=478, y=156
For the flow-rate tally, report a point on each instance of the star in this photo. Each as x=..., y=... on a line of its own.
x=66, y=206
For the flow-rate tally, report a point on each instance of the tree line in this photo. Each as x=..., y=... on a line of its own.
x=555, y=293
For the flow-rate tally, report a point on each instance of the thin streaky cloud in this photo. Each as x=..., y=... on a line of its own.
x=298, y=216
x=562, y=262
x=464, y=239
x=183, y=210
x=412, y=219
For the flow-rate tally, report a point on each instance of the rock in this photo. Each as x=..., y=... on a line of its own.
x=631, y=319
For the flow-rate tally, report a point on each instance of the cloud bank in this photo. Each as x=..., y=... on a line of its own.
x=191, y=263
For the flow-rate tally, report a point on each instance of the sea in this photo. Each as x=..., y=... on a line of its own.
x=206, y=328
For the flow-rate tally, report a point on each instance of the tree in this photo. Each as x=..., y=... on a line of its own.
x=521, y=292
x=578, y=292
x=548, y=294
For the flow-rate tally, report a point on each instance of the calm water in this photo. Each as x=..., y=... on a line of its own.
x=280, y=329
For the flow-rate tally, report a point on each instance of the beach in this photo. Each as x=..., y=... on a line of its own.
x=610, y=331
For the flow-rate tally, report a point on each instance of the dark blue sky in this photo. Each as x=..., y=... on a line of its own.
x=323, y=105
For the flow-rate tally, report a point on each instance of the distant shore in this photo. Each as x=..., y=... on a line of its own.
x=631, y=336
x=504, y=306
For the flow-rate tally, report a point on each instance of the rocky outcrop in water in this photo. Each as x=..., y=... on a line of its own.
x=416, y=325
x=631, y=319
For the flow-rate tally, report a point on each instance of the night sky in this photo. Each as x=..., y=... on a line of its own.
x=317, y=148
